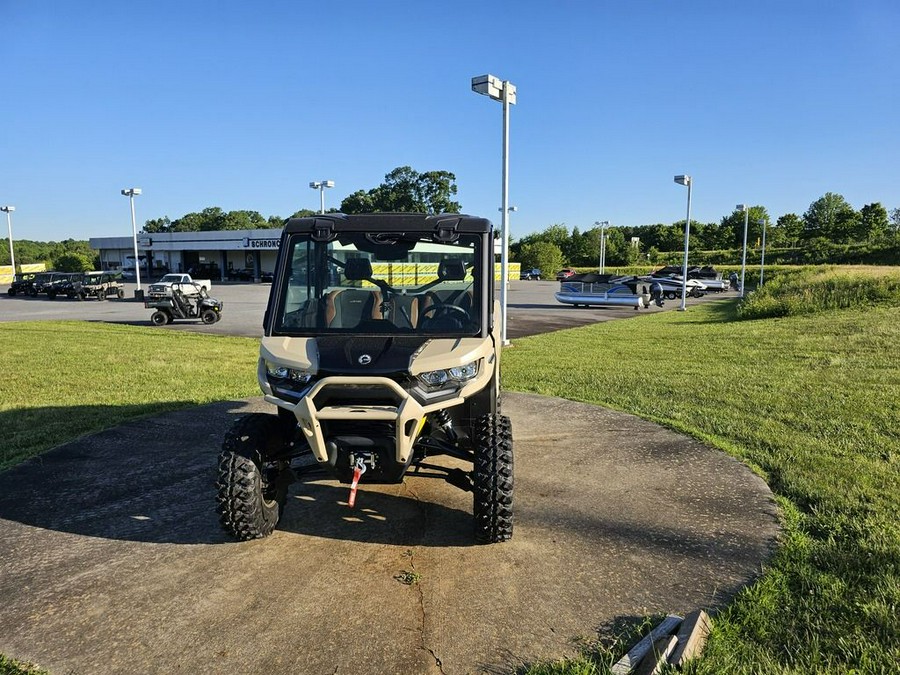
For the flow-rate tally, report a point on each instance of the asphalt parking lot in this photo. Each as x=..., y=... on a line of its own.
x=532, y=309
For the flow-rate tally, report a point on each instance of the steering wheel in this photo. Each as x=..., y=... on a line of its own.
x=443, y=309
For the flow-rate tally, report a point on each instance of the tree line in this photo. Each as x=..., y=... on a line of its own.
x=69, y=255
x=403, y=190
x=829, y=222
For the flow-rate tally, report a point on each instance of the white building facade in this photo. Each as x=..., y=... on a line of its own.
x=215, y=255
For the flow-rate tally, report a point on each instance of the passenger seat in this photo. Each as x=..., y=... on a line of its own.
x=347, y=307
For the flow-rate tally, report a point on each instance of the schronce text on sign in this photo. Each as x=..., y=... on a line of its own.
x=264, y=243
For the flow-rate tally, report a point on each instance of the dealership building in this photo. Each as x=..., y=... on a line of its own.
x=217, y=255
x=214, y=255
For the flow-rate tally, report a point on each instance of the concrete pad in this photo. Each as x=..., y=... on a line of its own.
x=113, y=560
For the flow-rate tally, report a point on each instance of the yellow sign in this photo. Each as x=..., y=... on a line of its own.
x=6, y=271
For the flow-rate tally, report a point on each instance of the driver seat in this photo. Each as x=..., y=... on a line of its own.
x=463, y=298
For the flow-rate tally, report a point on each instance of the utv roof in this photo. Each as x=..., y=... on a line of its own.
x=389, y=222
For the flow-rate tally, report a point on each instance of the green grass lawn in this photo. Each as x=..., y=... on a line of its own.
x=64, y=379
x=812, y=402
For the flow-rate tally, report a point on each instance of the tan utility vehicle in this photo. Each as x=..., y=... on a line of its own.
x=379, y=353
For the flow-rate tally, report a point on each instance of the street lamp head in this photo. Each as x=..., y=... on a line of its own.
x=683, y=180
x=510, y=209
x=314, y=184
x=742, y=207
x=488, y=85
x=329, y=183
x=131, y=192
x=494, y=87
x=7, y=209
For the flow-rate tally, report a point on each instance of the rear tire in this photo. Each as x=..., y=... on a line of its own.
x=120, y=294
x=252, y=489
x=492, y=479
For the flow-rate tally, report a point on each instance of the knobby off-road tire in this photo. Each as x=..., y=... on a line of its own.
x=492, y=479
x=209, y=316
x=251, y=492
x=159, y=318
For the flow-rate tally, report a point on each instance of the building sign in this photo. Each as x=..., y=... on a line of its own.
x=262, y=243
x=145, y=242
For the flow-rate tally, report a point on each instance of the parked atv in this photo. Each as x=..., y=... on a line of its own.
x=186, y=301
x=45, y=282
x=99, y=285
x=379, y=353
x=22, y=283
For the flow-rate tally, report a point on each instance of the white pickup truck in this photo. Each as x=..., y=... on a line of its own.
x=186, y=285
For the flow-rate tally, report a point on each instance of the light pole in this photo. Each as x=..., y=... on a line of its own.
x=746, y=209
x=762, y=259
x=320, y=185
x=505, y=92
x=12, y=260
x=131, y=193
x=509, y=209
x=685, y=180
x=602, y=224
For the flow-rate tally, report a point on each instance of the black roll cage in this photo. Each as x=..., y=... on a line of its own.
x=444, y=228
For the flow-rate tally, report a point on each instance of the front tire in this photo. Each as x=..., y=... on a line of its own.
x=492, y=479
x=252, y=487
x=209, y=316
x=159, y=318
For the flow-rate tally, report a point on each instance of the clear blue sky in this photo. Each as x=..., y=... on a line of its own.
x=241, y=104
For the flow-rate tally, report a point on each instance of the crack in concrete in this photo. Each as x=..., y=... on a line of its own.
x=437, y=659
x=422, y=629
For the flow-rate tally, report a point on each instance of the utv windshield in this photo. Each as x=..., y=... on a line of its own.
x=382, y=283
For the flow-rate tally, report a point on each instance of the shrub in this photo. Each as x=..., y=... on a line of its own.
x=807, y=290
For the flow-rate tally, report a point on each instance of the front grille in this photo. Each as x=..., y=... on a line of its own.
x=351, y=395
x=362, y=428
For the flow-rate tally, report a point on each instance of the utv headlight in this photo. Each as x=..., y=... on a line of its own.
x=285, y=373
x=464, y=373
x=435, y=379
